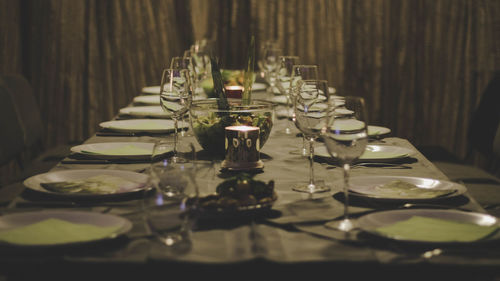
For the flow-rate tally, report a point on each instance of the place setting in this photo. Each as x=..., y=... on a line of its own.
x=35, y=231
x=110, y=153
x=138, y=127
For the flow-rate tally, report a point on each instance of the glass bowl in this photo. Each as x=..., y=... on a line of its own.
x=208, y=122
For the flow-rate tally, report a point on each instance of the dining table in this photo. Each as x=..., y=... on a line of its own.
x=289, y=241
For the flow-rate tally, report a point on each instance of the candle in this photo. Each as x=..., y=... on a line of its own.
x=234, y=91
x=242, y=148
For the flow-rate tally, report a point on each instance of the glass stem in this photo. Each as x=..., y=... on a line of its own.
x=175, y=135
x=311, y=162
x=346, y=190
x=304, y=146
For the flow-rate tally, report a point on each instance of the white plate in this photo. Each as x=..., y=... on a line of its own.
x=152, y=90
x=34, y=182
x=149, y=99
x=279, y=99
x=373, y=152
x=101, y=150
x=374, y=131
x=12, y=221
x=145, y=111
x=155, y=99
x=353, y=124
x=367, y=187
x=259, y=87
x=332, y=90
x=371, y=222
x=140, y=125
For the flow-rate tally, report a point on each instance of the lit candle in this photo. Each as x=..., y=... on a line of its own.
x=234, y=92
x=242, y=148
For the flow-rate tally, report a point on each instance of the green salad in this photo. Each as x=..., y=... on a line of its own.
x=229, y=78
x=210, y=130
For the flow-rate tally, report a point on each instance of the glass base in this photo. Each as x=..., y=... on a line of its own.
x=345, y=225
x=301, y=151
x=311, y=188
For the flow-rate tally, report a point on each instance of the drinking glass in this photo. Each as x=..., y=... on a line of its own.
x=175, y=97
x=170, y=211
x=200, y=54
x=180, y=63
x=185, y=62
x=311, y=110
x=270, y=63
x=268, y=44
x=346, y=146
x=284, y=75
x=300, y=72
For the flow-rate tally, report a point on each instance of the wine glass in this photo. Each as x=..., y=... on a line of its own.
x=346, y=146
x=170, y=211
x=300, y=72
x=311, y=110
x=268, y=44
x=284, y=75
x=270, y=63
x=179, y=63
x=200, y=54
x=185, y=62
x=175, y=97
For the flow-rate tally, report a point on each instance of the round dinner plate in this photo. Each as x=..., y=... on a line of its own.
x=259, y=86
x=145, y=111
x=375, y=131
x=283, y=100
x=118, y=224
x=353, y=124
x=116, y=150
x=152, y=90
x=373, y=153
x=371, y=222
x=155, y=99
x=140, y=125
x=369, y=187
x=137, y=181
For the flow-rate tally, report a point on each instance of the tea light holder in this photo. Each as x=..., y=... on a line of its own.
x=242, y=148
x=234, y=91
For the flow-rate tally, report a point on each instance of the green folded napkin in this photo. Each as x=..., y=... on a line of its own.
x=121, y=150
x=402, y=189
x=436, y=230
x=55, y=231
x=142, y=126
x=368, y=154
x=373, y=131
x=100, y=184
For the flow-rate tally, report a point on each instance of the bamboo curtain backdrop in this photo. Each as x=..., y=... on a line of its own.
x=422, y=64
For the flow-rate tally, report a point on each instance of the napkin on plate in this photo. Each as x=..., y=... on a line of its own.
x=436, y=230
x=55, y=231
x=100, y=184
x=142, y=126
x=368, y=154
x=124, y=150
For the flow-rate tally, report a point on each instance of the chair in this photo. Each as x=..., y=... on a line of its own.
x=21, y=121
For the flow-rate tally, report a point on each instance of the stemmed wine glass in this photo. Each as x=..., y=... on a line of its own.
x=284, y=75
x=268, y=44
x=300, y=72
x=270, y=64
x=175, y=97
x=311, y=110
x=185, y=63
x=179, y=63
x=346, y=146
